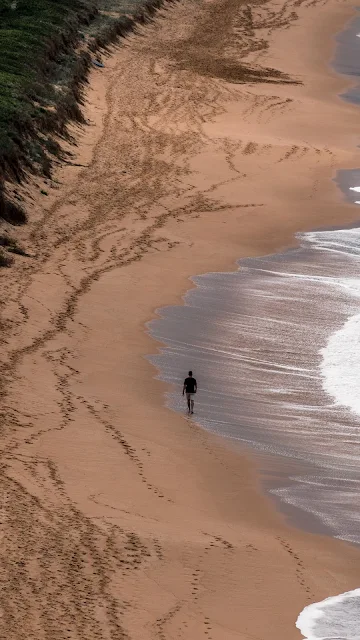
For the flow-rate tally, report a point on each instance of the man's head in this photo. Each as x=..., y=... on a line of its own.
x=190, y=373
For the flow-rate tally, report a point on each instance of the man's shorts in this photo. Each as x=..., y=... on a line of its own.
x=190, y=396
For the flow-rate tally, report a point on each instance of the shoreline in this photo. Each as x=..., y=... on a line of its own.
x=265, y=463
x=212, y=347
x=215, y=545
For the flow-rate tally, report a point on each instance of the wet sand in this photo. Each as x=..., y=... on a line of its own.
x=120, y=519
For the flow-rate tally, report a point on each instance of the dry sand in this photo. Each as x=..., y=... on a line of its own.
x=120, y=519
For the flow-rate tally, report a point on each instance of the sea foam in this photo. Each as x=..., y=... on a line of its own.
x=340, y=367
x=336, y=618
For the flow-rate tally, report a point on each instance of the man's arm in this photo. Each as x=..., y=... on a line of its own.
x=184, y=387
x=195, y=386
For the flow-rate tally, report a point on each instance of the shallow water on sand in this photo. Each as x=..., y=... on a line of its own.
x=278, y=366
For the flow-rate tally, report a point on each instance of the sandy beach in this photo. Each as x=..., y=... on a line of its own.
x=213, y=133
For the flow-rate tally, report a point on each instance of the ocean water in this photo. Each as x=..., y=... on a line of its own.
x=336, y=618
x=275, y=347
x=346, y=59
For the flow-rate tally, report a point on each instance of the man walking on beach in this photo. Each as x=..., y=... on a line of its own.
x=190, y=388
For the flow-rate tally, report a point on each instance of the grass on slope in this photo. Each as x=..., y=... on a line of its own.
x=36, y=38
x=45, y=54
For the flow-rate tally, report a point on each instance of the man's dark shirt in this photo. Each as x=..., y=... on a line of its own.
x=190, y=385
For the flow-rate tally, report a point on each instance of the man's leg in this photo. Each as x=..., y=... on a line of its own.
x=192, y=406
x=188, y=402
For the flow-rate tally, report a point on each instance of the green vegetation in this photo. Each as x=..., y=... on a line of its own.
x=36, y=40
x=45, y=54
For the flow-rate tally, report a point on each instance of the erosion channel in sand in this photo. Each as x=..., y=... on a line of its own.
x=208, y=140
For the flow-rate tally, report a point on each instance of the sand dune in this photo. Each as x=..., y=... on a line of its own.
x=213, y=133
